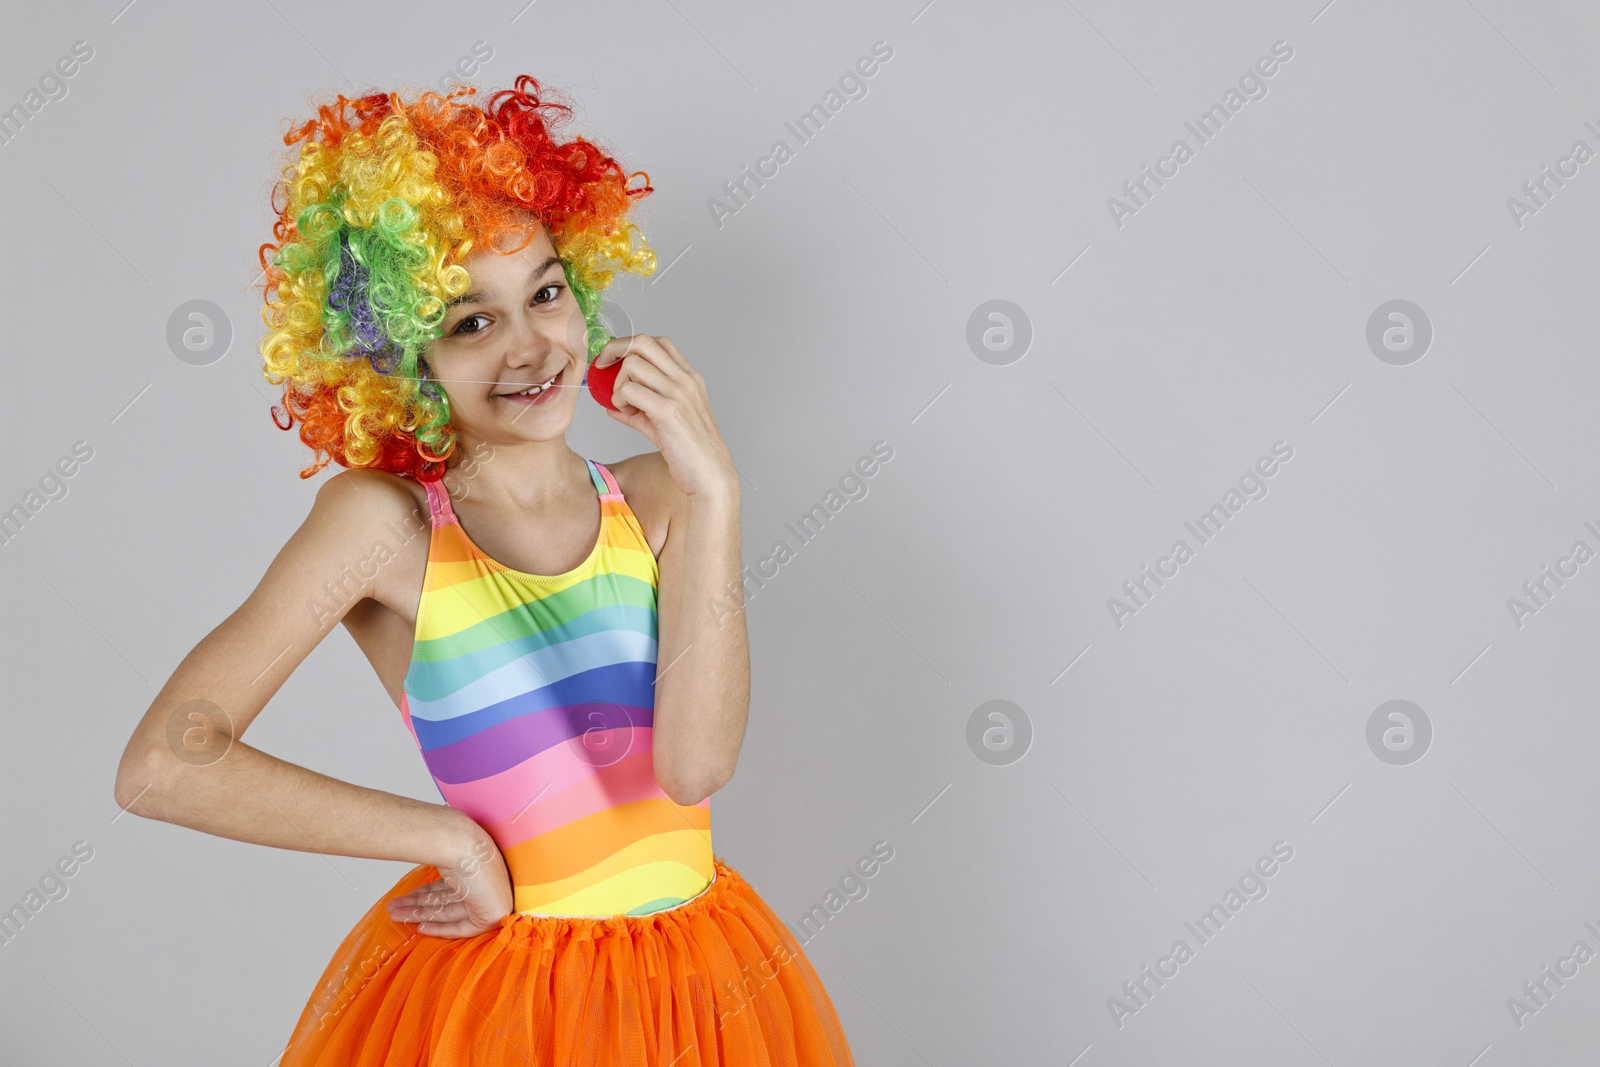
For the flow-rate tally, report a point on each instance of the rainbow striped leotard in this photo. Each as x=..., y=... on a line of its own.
x=532, y=699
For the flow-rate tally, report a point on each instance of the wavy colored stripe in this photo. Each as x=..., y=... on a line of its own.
x=457, y=544
x=554, y=663
x=456, y=559
x=434, y=679
x=628, y=686
x=501, y=798
x=681, y=848
x=573, y=848
x=473, y=593
x=616, y=894
x=480, y=613
x=628, y=779
x=508, y=743
x=461, y=629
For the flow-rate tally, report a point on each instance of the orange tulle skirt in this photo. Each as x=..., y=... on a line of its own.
x=717, y=981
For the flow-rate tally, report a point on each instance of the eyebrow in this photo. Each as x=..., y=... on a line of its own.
x=477, y=295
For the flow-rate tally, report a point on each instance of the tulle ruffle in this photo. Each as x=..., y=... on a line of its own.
x=718, y=981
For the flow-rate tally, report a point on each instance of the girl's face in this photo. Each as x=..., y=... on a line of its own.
x=518, y=326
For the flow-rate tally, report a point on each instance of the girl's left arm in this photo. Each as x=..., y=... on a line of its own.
x=702, y=697
x=703, y=651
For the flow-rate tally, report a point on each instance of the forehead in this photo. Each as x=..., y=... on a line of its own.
x=532, y=235
x=493, y=274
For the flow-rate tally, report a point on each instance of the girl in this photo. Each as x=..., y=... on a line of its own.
x=566, y=644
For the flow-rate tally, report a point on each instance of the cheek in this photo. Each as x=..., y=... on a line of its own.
x=575, y=334
x=458, y=363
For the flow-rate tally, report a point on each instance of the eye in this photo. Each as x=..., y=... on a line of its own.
x=537, y=302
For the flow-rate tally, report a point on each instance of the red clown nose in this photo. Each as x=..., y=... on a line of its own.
x=602, y=380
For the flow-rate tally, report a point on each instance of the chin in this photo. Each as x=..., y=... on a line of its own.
x=545, y=427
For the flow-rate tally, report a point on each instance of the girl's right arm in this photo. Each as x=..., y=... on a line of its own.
x=186, y=762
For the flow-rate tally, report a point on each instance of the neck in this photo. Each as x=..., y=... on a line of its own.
x=523, y=474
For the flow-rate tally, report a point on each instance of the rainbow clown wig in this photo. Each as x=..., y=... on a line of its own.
x=381, y=204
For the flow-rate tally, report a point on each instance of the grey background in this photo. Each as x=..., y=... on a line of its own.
x=832, y=312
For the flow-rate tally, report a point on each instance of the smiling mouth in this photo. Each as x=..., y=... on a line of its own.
x=535, y=390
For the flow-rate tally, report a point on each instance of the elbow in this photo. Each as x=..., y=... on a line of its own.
x=682, y=792
x=137, y=776
x=691, y=791
x=125, y=791
x=687, y=798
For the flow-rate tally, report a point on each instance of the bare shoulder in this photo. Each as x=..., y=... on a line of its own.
x=654, y=497
x=368, y=499
x=377, y=517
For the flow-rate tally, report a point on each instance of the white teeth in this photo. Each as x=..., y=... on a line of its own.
x=534, y=390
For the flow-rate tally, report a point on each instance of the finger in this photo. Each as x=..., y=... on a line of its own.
x=624, y=409
x=633, y=420
x=426, y=887
x=459, y=928
x=435, y=917
x=431, y=896
x=672, y=350
x=443, y=898
x=617, y=348
x=649, y=350
x=610, y=352
x=646, y=374
x=638, y=378
x=430, y=905
x=641, y=397
x=417, y=894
